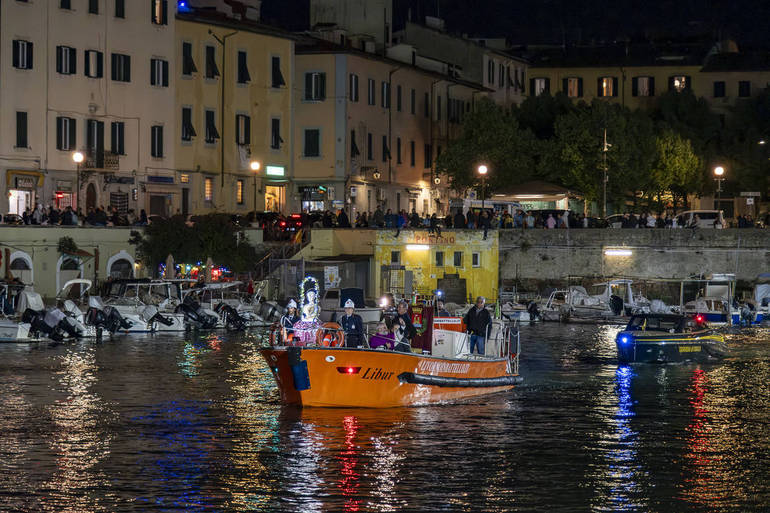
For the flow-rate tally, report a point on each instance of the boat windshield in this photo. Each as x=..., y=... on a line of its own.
x=655, y=324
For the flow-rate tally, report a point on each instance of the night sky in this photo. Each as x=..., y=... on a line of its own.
x=575, y=21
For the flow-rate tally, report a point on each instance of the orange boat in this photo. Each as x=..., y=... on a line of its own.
x=376, y=378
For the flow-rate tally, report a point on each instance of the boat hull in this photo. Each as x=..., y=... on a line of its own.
x=348, y=377
x=635, y=348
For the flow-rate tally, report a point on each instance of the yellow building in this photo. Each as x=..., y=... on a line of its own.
x=251, y=64
x=423, y=263
x=636, y=77
x=368, y=128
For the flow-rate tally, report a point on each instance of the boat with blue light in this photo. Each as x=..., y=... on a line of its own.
x=669, y=338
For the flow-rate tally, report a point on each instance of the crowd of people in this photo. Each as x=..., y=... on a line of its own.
x=99, y=216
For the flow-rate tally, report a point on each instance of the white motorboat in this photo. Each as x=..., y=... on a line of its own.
x=149, y=305
x=225, y=300
x=612, y=300
x=333, y=305
x=714, y=300
x=88, y=312
x=11, y=328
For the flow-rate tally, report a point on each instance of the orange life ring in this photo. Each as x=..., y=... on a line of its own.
x=330, y=335
x=274, y=329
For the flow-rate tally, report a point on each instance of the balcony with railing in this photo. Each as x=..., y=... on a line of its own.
x=101, y=160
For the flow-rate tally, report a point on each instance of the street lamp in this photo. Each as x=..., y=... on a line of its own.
x=255, y=165
x=78, y=158
x=483, y=170
x=719, y=171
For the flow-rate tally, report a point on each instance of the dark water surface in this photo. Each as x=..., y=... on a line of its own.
x=161, y=423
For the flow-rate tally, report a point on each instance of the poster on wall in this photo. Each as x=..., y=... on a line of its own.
x=331, y=277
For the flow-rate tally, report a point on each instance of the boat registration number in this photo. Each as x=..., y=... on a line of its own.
x=689, y=349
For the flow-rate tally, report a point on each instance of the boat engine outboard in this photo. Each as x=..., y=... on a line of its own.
x=105, y=317
x=533, y=310
x=747, y=314
x=232, y=319
x=52, y=323
x=195, y=315
x=151, y=314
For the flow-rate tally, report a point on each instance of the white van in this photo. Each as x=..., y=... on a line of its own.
x=706, y=219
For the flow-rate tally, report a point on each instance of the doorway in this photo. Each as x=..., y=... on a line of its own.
x=273, y=198
x=158, y=205
x=185, y=201
x=90, y=197
x=19, y=200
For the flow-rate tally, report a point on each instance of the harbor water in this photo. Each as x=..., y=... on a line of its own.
x=193, y=423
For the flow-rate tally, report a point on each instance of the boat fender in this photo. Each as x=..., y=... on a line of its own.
x=275, y=328
x=445, y=381
x=298, y=368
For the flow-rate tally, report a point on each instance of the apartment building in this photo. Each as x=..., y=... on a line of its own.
x=369, y=128
x=93, y=76
x=234, y=106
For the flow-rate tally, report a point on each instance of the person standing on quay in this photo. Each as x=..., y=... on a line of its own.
x=477, y=320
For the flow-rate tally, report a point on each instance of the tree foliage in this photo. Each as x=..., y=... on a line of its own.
x=212, y=235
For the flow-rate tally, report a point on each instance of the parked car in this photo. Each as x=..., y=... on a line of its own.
x=706, y=219
x=614, y=221
x=12, y=219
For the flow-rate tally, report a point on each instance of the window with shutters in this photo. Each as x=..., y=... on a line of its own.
x=354, y=151
x=385, y=149
x=607, y=86
x=94, y=136
x=66, y=138
x=719, y=89
x=277, y=76
x=398, y=150
x=371, y=100
x=744, y=88
x=476, y=259
x=121, y=67
x=438, y=107
x=239, y=192
x=315, y=86
x=93, y=6
x=65, y=4
x=428, y=156
x=398, y=98
x=242, y=129
x=458, y=258
x=312, y=140
x=212, y=134
x=501, y=75
x=118, y=132
x=369, y=147
x=490, y=71
x=156, y=148
x=94, y=64
x=208, y=189
x=439, y=259
x=244, y=77
x=120, y=8
x=66, y=60
x=188, y=129
x=22, y=54
x=411, y=153
x=353, y=88
x=574, y=87
x=385, y=95
x=159, y=12
x=540, y=86
x=21, y=130
x=413, y=100
x=426, y=105
x=188, y=63
x=643, y=86
x=275, y=134
x=679, y=83
x=159, y=72
x=211, y=62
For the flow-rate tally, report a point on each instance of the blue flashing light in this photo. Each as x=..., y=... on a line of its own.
x=439, y=293
x=624, y=339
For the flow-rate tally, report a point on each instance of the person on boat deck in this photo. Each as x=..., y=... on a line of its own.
x=441, y=311
x=353, y=325
x=404, y=329
x=477, y=319
x=291, y=318
x=383, y=339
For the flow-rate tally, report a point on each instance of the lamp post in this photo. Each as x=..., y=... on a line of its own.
x=255, y=165
x=719, y=171
x=483, y=170
x=77, y=157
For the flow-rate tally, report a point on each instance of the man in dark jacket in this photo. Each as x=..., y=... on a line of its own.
x=477, y=320
x=353, y=325
x=404, y=329
x=459, y=220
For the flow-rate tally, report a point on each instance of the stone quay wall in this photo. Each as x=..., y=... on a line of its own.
x=548, y=257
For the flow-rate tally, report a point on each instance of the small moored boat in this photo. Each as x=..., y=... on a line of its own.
x=662, y=338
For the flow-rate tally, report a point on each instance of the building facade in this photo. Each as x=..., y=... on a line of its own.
x=89, y=76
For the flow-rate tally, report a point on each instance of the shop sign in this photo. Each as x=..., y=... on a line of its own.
x=26, y=182
x=160, y=179
x=64, y=185
x=274, y=170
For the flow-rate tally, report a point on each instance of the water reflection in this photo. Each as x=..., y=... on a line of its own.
x=80, y=438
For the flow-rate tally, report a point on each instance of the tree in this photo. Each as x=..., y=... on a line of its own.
x=747, y=144
x=676, y=167
x=539, y=113
x=493, y=137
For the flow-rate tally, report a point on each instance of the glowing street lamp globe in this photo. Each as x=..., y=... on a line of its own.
x=719, y=170
x=78, y=157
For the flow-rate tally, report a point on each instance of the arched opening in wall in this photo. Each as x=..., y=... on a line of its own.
x=69, y=268
x=20, y=268
x=90, y=198
x=121, y=268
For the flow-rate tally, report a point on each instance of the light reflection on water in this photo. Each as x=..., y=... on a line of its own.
x=194, y=423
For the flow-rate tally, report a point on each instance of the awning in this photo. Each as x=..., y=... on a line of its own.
x=12, y=174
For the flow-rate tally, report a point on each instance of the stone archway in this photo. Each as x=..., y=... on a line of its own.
x=20, y=266
x=90, y=198
x=120, y=265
